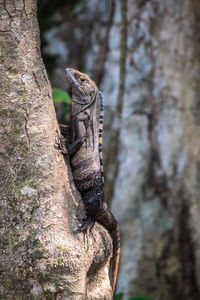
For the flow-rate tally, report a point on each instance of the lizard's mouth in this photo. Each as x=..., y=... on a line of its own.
x=70, y=74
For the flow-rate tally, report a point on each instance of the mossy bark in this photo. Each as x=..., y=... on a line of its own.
x=41, y=254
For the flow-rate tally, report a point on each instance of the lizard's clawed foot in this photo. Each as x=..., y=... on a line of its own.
x=60, y=143
x=86, y=228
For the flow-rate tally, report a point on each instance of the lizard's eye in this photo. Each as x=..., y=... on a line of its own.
x=82, y=79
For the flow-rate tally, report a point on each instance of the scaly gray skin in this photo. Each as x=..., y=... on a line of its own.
x=86, y=161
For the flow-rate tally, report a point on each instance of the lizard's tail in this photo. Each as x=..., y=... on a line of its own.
x=114, y=263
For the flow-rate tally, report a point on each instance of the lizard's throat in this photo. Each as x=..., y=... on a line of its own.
x=78, y=106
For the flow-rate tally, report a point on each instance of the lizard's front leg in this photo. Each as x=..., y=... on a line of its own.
x=79, y=134
x=64, y=129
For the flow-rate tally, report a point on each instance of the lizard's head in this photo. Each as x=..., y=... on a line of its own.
x=84, y=89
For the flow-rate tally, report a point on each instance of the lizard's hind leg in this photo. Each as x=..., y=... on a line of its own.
x=86, y=228
x=91, y=206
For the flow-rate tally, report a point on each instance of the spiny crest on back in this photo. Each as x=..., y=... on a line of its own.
x=101, y=118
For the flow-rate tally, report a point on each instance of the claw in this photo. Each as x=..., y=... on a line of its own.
x=60, y=143
x=86, y=228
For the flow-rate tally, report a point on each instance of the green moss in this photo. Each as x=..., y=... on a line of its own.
x=39, y=253
x=39, y=250
x=51, y=282
x=4, y=242
x=60, y=265
x=44, y=278
x=28, y=176
x=32, y=234
x=49, y=295
x=32, y=173
x=15, y=138
x=34, y=297
x=5, y=83
x=12, y=239
x=13, y=283
x=12, y=71
x=25, y=94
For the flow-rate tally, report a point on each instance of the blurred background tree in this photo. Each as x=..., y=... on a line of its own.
x=145, y=57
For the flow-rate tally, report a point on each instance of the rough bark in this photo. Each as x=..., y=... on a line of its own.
x=41, y=254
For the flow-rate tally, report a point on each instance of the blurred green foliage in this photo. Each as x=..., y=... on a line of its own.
x=62, y=102
x=141, y=298
x=77, y=8
x=119, y=297
x=61, y=96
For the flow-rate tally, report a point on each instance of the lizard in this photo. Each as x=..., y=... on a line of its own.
x=85, y=150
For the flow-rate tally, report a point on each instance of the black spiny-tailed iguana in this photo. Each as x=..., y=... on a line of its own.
x=85, y=152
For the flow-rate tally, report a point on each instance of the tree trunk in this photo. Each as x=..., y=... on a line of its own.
x=42, y=256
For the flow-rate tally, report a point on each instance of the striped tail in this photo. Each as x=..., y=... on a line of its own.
x=101, y=118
